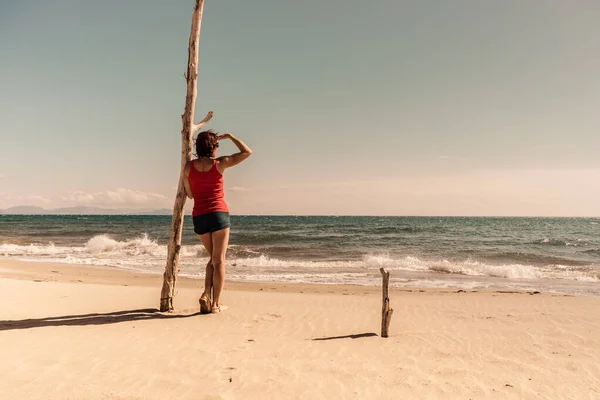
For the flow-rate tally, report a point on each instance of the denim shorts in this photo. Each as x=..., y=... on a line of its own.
x=211, y=222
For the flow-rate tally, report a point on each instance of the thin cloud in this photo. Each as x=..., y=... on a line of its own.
x=554, y=146
x=117, y=198
x=453, y=158
x=239, y=189
x=519, y=192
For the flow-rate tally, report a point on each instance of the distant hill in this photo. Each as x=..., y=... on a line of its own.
x=32, y=210
x=24, y=210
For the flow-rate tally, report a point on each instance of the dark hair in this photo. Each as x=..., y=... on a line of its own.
x=206, y=143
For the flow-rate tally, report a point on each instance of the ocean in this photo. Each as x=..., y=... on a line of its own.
x=547, y=254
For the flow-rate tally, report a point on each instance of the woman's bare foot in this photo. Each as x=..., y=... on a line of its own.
x=205, y=304
x=217, y=308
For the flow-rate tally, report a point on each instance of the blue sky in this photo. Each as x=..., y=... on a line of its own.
x=392, y=108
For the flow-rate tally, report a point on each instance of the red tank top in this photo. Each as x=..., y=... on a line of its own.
x=207, y=190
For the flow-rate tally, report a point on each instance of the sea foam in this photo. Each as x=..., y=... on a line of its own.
x=146, y=254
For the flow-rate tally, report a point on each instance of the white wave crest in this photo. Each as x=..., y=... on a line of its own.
x=144, y=253
x=34, y=250
x=468, y=267
x=142, y=245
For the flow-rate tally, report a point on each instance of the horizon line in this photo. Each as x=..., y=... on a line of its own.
x=311, y=215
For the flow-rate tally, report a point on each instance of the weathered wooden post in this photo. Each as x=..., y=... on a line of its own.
x=187, y=131
x=386, y=311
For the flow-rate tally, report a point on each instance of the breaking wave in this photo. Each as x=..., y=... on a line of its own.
x=146, y=254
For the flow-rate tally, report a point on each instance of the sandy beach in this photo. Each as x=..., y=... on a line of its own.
x=69, y=332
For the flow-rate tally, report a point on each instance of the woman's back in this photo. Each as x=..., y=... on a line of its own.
x=207, y=187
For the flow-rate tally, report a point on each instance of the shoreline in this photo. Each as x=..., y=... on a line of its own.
x=401, y=280
x=40, y=271
x=100, y=275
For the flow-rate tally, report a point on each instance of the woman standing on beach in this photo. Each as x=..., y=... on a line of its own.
x=204, y=183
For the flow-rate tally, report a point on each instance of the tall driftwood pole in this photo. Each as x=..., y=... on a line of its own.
x=386, y=311
x=187, y=131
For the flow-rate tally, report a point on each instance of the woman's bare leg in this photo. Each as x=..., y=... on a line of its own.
x=220, y=241
x=208, y=279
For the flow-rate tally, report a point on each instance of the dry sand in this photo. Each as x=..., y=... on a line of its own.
x=70, y=332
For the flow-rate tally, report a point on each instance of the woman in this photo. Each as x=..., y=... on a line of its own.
x=204, y=183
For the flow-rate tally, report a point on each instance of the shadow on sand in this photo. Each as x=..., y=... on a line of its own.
x=91, y=319
x=357, y=336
